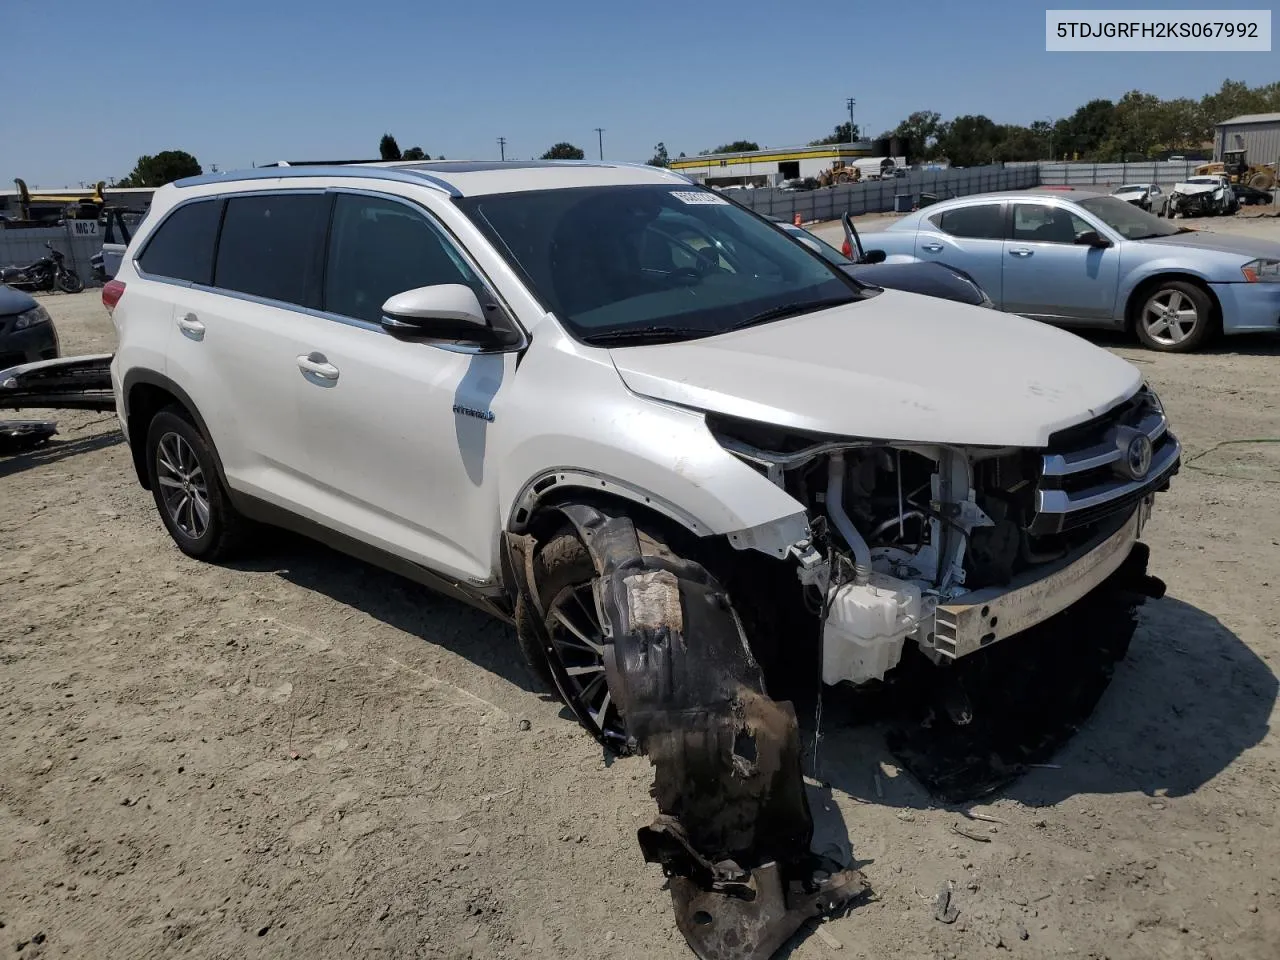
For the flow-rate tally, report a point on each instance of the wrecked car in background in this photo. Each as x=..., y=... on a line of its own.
x=684, y=455
x=1204, y=196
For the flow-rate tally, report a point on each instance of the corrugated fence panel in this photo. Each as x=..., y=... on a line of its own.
x=879, y=196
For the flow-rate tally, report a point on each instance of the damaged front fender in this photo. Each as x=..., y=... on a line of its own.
x=734, y=828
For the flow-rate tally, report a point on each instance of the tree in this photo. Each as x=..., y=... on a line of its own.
x=414, y=153
x=564, y=151
x=921, y=130
x=165, y=167
x=738, y=146
x=660, y=158
x=843, y=133
x=388, y=148
x=970, y=141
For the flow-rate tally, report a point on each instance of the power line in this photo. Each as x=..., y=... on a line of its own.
x=600, y=137
x=502, y=147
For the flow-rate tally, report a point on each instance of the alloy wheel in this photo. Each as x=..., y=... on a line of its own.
x=1170, y=317
x=577, y=644
x=183, y=485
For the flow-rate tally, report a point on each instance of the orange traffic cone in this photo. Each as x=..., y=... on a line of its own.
x=796, y=220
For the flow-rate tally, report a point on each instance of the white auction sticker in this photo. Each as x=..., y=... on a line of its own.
x=697, y=196
x=1168, y=31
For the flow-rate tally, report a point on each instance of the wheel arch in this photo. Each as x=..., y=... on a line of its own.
x=1147, y=283
x=146, y=393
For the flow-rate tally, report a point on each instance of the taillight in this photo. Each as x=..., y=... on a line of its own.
x=112, y=291
x=847, y=250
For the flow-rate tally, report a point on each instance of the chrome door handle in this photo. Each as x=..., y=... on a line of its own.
x=931, y=247
x=1021, y=252
x=191, y=326
x=316, y=365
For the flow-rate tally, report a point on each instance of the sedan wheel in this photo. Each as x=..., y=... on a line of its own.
x=1175, y=318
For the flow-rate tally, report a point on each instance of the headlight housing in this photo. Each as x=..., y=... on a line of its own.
x=1261, y=271
x=31, y=318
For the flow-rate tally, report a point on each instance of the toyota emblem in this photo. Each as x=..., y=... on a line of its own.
x=1138, y=457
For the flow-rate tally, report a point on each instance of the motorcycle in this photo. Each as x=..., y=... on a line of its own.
x=47, y=273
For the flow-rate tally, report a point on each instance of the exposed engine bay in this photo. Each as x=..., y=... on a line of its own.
x=937, y=544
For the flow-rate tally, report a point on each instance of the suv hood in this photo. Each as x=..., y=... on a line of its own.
x=896, y=366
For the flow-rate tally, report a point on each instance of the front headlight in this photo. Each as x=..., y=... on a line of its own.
x=1153, y=401
x=1261, y=271
x=31, y=318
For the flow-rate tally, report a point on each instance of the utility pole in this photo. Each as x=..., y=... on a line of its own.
x=600, y=138
x=1049, y=120
x=851, y=103
x=502, y=147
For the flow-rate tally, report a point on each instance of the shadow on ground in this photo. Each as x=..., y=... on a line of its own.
x=1162, y=711
x=484, y=640
x=53, y=451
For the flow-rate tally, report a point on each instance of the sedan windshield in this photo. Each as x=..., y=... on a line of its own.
x=1127, y=220
x=654, y=263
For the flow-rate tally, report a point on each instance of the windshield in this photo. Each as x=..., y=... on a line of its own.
x=1127, y=220
x=828, y=252
x=1130, y=187
x=654, y=262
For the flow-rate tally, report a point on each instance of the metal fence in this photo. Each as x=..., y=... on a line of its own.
x=877, y=196
x=1114, y=174
x=22, y=245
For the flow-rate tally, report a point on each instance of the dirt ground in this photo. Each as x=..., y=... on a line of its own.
x=305, y=757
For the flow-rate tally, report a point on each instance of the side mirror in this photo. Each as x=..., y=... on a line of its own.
x=874, y=256
x=1091, y=238
x=442, y=313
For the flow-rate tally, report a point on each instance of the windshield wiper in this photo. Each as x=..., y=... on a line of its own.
x=782, y=311
x=643, y=334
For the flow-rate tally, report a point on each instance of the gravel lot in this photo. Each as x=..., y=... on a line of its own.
x=305, y=757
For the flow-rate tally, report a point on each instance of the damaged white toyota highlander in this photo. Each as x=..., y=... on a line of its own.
x=672, y=445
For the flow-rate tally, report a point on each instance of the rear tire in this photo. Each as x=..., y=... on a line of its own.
x=70, y=282
x=193, y=504
x=1174, y=316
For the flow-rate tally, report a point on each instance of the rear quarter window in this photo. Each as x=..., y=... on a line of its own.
x=182, y=246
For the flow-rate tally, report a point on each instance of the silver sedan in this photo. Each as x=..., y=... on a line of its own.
x=1084, y=259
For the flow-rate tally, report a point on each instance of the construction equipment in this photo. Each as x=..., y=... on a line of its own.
x=840, y=172
x=43, y=208
x=1236, y=167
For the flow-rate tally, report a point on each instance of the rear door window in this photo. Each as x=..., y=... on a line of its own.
x=380, y=247
x=983, y=221
x=182, y=246
x=270, y=246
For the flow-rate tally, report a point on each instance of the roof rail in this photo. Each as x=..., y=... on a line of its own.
x=399, y=174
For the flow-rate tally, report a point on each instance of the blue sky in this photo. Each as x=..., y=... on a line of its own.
x=235, y=82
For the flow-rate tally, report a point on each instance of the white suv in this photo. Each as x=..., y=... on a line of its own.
x=428, y=364
x=684, y=454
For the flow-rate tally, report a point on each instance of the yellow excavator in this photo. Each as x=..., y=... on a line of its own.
x=1236, y=167
x=45, y=207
